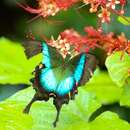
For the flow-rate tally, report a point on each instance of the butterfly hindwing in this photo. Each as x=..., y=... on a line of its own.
x=57, y=80
x=75, y=67
x=65, y=86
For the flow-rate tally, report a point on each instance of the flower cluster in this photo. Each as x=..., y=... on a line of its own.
x=51, y=7
x=67, y=43
x=106, y=7
x=62, y=46
x=109, y=42
x=71, y=42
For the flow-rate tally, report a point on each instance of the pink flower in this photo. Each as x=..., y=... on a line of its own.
x=104, y=15
x=64, y=4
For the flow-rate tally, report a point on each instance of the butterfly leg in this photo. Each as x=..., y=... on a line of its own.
x=58, y=102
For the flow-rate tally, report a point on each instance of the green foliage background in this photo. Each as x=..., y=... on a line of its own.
x=102, y=89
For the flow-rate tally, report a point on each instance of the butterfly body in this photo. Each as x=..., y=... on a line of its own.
x=59, y=78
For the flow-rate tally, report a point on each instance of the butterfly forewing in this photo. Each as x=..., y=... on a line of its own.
x=50, y=54
x=90, y=66
x=32, y=48
x=51, y=57
x=83, y=66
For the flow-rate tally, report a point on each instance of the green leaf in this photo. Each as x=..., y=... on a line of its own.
x=104, y=88
x=125, y=20
x=11, y=117
x=125, y=98
x=109, y=121
x=43, y=113
x=15, y=68
x=118, y=68
x=75, y=115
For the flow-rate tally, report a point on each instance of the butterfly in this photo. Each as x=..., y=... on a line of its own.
x=58, y=78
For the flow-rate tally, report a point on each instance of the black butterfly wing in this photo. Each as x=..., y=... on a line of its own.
x=90, y=66
x=83, y=66
x=32, y=48
x=50, y=54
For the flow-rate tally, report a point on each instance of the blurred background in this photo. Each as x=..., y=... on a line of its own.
x=16, y=25
x=15, y=22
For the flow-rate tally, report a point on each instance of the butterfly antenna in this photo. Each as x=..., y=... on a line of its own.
x=28, y=8
x=34, y=18
x=81, y=6
x=78, y=12
x=21, y=5
x=54, y=22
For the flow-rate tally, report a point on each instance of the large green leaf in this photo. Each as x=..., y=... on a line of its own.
x=118, y=68
x=109, y=121
x=125, y=98
x=75, y=115
x=15, y=68
x=11, y=117
x=104, y=88
x=77, y=111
